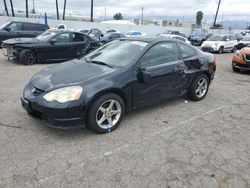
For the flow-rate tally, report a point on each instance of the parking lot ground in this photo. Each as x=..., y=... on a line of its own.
x=177, y=143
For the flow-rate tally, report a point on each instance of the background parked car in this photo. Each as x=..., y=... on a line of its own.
x=55, y=45
x=85, y=31
x=135, y=34
x=172, y=32
x=220, y=43
x=241, y=60
x=17, y=29
x=110, y=37
x=94, y=32
x=238, y=36
x=245, y=41
x=108, y=31
x=178, y=37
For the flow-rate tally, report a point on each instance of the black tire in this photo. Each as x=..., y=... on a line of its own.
x=94, y=111
x=234, y=49
x=27, y=57
x=221, y=49
x=193, y=87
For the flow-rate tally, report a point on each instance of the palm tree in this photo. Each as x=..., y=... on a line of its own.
x=57, y=11
x=12, y=9
x=64, y=7
x=5, y=6
x=27, y=9
x=91, y=12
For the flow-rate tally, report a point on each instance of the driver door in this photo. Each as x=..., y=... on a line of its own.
x=160, y=74
x=58, y=49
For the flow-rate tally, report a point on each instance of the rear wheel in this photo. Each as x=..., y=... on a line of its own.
x=198, y=88
x=27, y=57
x=106, y=113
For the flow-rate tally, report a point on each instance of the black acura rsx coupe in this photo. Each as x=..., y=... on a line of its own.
x=120, y=76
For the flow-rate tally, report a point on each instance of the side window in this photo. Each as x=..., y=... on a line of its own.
x=77, y=37
x=115, y=35
x=15, y=26
x=232, y=37
x=28, y=27
x=186, y=51
x=160, y=54
x=63, y=38
x=38, y=27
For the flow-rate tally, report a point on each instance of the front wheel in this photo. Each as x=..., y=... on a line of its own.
x=27, y=57
x=198, y=88
x=220, y=51
x=234, y=49
x=106, y=113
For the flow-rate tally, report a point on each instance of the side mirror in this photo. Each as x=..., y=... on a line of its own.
x=53, y=41
x=7, y=29
x=227, y=40
x=143, y=75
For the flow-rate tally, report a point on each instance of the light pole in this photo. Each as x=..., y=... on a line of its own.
x=5, y=6
x=91, y=11
x=142, y=9
x=215, y=19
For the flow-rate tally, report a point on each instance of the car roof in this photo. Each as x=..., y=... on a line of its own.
x=150, y=39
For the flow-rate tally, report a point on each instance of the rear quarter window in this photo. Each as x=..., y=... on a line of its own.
x=186, y=51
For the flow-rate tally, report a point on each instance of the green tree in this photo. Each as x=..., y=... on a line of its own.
x=118, y=16
x=199, y=17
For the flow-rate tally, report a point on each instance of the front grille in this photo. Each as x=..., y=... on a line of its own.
x=36, y=92
x=207, y=49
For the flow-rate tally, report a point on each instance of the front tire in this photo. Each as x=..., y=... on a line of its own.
x=198, y=88
x=221, y=49
x=234, y=49
x=106, y=113
x=27, y=57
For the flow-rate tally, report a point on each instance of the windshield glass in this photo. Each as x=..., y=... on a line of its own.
x=5, y=24
x=117, y=53
x=246, y=38
x=216, y=38
x=46, y=36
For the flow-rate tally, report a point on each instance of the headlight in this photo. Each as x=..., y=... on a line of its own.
x=216, y=44
x=237, y=53
x=65, y=94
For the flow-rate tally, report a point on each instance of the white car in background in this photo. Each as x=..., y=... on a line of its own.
x=178, y=37
x=108, y=31
x=220, y=44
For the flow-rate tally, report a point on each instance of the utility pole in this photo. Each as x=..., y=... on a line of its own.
x=5, y=6
x=57, y=11
x=215, y=19
x=12, y=9
x=142, y=9
x=27, y=9
x=64, y=7
x=91, y=12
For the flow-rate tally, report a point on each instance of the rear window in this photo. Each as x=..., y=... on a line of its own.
x=186, y=51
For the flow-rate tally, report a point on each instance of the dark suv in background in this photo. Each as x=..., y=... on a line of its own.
x=16, y=29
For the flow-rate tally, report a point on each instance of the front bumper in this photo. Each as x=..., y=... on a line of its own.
x=8, y=51
x=61, y=117
x=245, y=66
x=209, y=49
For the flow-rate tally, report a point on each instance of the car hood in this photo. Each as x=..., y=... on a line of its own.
x=69, y=73
x=21, y=41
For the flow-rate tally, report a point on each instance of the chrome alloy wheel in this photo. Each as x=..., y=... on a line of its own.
x=108, y=114
x=201, y=87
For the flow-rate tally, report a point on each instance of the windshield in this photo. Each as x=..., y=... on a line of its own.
x=117, y=53
x=46, y=36
x=4, y=25
x=216, y=38
x=246, y=38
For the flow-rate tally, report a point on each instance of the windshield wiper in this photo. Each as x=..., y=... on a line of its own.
x=99, y=62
